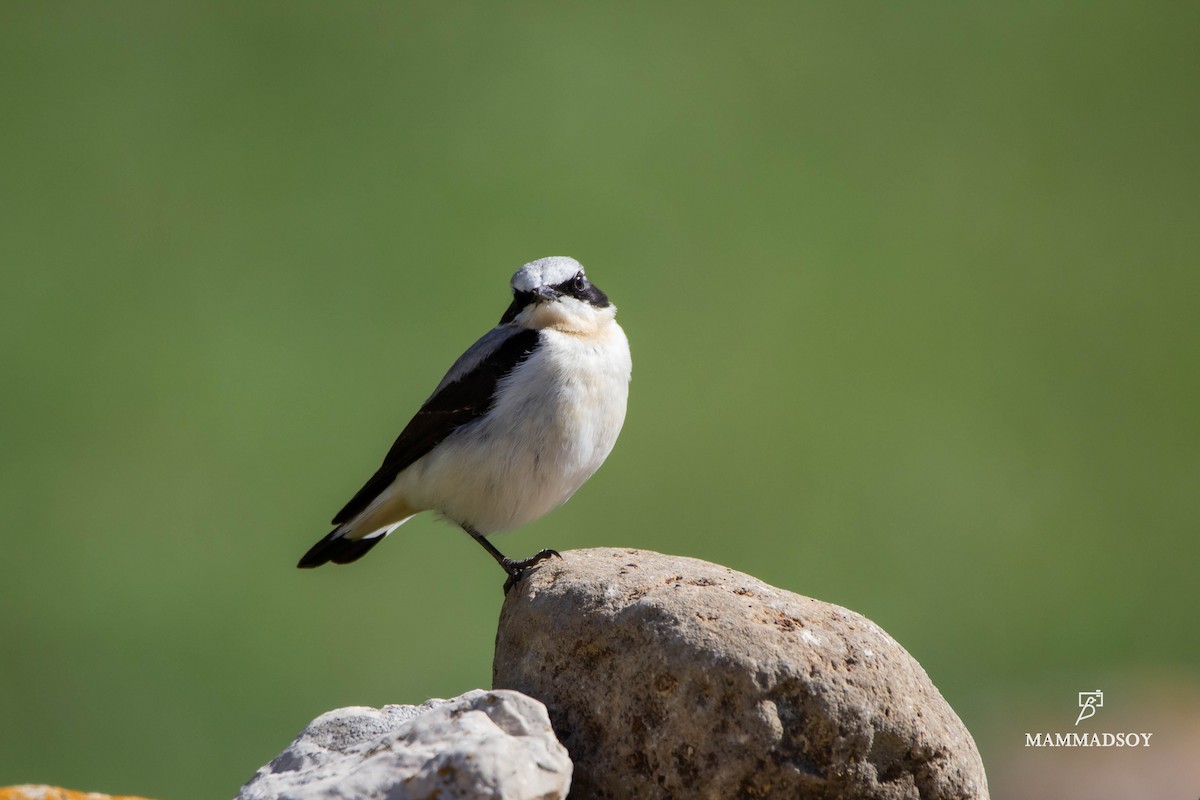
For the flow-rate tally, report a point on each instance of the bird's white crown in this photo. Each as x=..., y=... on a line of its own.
x=545, y=272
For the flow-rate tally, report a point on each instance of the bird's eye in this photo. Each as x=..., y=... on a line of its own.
x=579, y=282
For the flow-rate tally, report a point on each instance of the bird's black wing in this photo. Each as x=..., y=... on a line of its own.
x=459, y=399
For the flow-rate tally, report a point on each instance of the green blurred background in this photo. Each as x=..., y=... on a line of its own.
x=911, y=290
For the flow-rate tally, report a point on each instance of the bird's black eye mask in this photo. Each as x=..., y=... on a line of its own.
x=578, y=287
x=581, y=288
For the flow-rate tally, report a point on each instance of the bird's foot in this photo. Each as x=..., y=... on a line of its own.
x=516, y=569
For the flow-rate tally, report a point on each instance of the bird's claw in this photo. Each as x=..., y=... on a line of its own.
x=516, y=569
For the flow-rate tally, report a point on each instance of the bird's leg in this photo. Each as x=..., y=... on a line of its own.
x=515, y=569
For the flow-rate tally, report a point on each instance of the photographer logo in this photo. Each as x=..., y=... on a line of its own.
x=1089, y=702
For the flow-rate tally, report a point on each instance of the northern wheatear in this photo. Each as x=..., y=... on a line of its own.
x=518, y=424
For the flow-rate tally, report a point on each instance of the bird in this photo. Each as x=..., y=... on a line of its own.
x=519, y=423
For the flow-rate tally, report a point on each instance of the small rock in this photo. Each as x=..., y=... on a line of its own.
x=675, y=678
x=30, y=792
x=481, y=744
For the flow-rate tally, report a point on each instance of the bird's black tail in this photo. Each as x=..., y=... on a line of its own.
x=338, y=549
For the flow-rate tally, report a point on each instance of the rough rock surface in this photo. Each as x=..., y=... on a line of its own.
x=675, y=678
x=479, y=745
x=31, y=792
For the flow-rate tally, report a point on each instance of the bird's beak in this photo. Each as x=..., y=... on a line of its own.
x=545, y=294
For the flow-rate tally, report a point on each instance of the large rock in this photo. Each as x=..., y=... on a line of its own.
x=675, y=678
x=480, y=745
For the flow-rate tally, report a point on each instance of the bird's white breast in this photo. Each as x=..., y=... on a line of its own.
x=556, y=418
